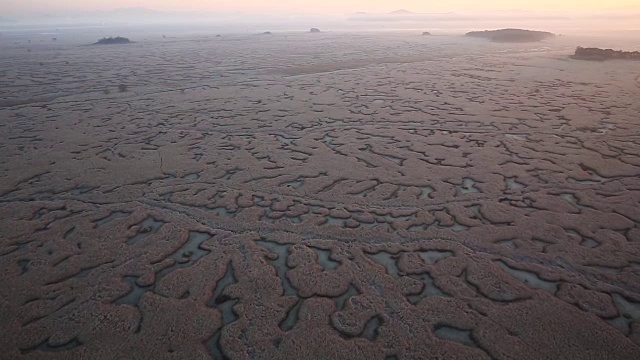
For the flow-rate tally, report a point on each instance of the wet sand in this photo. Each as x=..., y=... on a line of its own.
x=317, y=196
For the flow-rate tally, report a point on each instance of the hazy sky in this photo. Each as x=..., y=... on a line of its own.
x=325, y=6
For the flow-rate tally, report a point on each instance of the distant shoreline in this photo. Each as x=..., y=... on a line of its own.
x=597, y=54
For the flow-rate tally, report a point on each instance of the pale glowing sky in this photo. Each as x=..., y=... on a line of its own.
x=315, y=6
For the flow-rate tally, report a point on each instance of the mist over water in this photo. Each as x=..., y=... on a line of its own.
x=617, y=23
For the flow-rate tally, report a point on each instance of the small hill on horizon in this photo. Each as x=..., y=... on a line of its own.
x=113, y=41
x=401, y=12
x=511, y=35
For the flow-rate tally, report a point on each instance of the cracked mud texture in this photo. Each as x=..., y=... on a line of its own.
x=258, y=198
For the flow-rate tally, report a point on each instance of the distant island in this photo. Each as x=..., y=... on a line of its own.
x=511, y=35
x=426, y=33
x=314, y=30
x=113, y=40
x=596, y=54
x=401, y=12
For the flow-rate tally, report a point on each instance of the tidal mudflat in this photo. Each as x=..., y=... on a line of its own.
x=317, y=196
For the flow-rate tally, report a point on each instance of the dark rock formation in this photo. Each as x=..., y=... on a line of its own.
x=426, y=33
x=596, y=54
x=113, y=41
x=314, y=30
x=511, y=35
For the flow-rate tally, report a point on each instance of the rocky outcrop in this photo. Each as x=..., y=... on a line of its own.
x=597, y=54
x=314, y=30
x=113, y=41
x=511, y=35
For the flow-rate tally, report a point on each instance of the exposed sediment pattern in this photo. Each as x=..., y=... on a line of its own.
x=482, y=207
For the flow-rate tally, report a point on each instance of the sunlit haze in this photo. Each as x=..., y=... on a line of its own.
x=328, y=6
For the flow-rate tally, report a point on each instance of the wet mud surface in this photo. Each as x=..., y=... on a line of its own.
x=236, y=202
